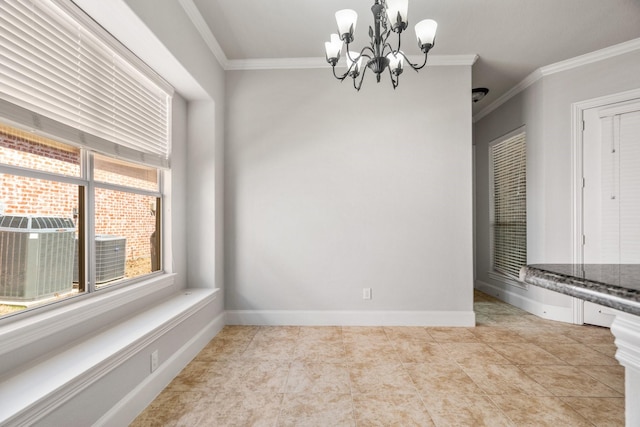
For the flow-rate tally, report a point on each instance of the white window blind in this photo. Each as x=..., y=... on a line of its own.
x=508, y=161
x=80, y=83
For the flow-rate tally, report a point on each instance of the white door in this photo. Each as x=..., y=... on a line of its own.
x=611, y=191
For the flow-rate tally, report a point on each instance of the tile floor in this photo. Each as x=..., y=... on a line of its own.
x=512, y=369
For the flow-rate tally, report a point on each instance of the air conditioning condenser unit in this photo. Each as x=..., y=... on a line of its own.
x=36, y=256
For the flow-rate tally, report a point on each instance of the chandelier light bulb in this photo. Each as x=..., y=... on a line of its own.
x=346, y=20
x=426, y=33
x=397, y=14
x=333, y=48
x=396, y=62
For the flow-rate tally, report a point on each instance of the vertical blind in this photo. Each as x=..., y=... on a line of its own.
x=509, y=225
x=60, y=65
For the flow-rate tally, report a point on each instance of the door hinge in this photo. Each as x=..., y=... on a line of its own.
x=583, y=125
x=584, y=182
x=584, y=239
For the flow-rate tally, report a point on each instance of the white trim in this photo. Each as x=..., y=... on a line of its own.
x=591, y=57
x=577, y=142
x=576, y=186
x=319, y=62
x=30, y=395
x=350, y=318
x=507, y=280
x=205, y=32
x=528, y=81
x=276, y=64
x=632, y=106
x=545, y=311
x=607, y=99
x=626, y=329
x=36, y=326
x=577, y=307
x=577, y=174
x=447, y=60
x=129, y=407
x=578, y=61
x=227, y=64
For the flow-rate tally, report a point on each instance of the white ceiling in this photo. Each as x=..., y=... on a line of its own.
x=512, y=37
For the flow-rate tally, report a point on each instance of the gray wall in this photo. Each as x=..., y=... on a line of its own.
x=329, y=191
x=545, y=109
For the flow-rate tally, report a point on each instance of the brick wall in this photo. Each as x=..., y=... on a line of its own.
x=117, y=213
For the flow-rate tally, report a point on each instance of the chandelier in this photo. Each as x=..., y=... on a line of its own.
x=389, y=16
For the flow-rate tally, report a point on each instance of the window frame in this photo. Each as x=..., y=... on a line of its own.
x=495, y=273
x=91, y=226
x=87, y=223
x=24, y=113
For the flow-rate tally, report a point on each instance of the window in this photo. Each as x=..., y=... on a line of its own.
x=84, y=144
x=509, y=204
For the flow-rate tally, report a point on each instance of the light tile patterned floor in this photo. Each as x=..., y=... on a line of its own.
x=512, y=369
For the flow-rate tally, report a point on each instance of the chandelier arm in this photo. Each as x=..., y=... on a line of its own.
x=399, y=41
x=385, y=42
x=341, y=78
x=367, y=48
x=362, y=53
x=351, y=60
x=395, y=81
x=349, y=53
x=387, y=46
x=416, y=67
x=359, y=85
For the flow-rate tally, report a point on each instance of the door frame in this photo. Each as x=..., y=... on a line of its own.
x=577, y=161
x=577, y=173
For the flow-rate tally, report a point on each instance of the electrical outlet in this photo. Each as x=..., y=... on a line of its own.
x=154, y=360
x=366, y=293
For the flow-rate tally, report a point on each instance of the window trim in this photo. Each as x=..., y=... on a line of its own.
x=32, y=325
x=87, y=185
x=20, y=110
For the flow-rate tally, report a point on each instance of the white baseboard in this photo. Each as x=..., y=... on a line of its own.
x=350, y=318
x=129, y=407
x=545, y=311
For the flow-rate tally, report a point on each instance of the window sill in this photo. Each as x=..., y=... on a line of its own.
x=16, y=334
x=33, y=391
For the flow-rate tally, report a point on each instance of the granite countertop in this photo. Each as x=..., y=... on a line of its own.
x=612, y=285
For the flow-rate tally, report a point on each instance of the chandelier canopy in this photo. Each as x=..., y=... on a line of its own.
x=389, y=16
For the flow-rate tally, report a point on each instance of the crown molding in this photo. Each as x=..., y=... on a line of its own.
x=595, y=56
x=290, y=63
x=321, y=62
x=205, y=32
x=276, y=64
x=528, y=81
x=446, y=60
x=578, y=61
